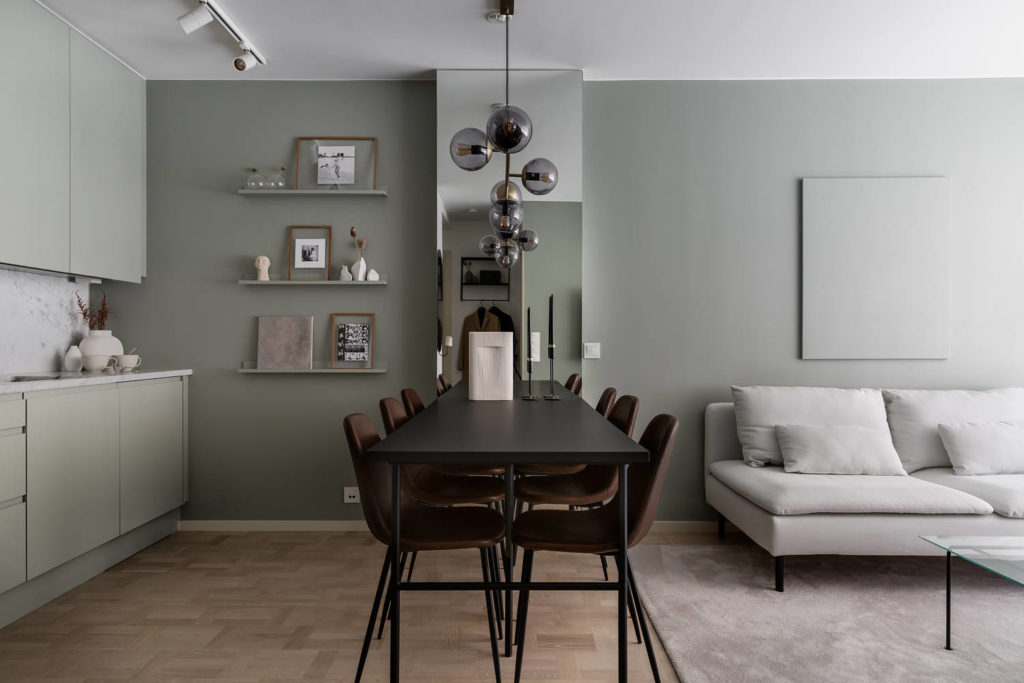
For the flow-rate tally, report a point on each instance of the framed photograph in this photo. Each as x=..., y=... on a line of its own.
x=326, y=162
x=336, y=165
x=309, y=252
x=352, y=337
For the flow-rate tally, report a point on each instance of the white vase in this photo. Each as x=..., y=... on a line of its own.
x=101, y=343
x=373, y=276
x=345, y=275
x=359, y=269
x=73, y=360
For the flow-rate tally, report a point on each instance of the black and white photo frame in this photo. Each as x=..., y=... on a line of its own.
x=352, y=340
x=309, y=252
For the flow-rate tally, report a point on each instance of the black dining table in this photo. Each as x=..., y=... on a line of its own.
x=455, y=430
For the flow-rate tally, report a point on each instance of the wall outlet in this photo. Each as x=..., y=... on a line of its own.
x=591, y=349
x=351, y=494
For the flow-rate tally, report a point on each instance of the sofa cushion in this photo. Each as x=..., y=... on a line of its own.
x=984, y=447
x=914, y=417
x=759, y=409
x=838, y=449
x=784, y=493
x=1004, y=492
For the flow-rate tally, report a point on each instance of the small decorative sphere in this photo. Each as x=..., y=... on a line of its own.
x=488, y=245
x=540, y=176
x=470, y=149
x=507, y=255
x=506, y=218
x=509, y=129
x=529, y=240
x=509, y=191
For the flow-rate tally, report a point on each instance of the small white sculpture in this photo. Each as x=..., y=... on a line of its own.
x=359, y=269
x=345, y=275
x=373, y=275
x=262, y=264
x=73, y=360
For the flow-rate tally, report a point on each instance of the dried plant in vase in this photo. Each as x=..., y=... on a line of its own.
x=359, y=267
x=96, y=320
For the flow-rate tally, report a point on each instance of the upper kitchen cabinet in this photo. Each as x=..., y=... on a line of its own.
x=34, y=80
x=73, y=132
x=107, y=165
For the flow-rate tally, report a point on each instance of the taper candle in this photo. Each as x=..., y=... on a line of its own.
x=551, y=326
x=529, y=341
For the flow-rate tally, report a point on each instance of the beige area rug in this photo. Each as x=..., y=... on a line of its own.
x=840, y=618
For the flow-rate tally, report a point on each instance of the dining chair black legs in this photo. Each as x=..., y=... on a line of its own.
x=633, y=602
x=373, y=615
x=485, y=567
x=385, y=614
x=412, y=563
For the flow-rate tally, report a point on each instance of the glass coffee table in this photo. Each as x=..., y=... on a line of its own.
x=1002, y=555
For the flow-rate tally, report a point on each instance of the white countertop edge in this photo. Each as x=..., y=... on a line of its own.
x=80, y=379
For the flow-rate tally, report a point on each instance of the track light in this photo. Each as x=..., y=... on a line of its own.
x=195, y=20
x=245, y=61
x=207, y=11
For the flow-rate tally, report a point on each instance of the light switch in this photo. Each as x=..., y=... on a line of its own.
x=591, y=349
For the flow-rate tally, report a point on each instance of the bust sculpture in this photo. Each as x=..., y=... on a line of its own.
x=262, y=268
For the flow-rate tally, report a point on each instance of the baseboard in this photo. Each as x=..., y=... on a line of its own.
x=663, y=527
x=29, y=596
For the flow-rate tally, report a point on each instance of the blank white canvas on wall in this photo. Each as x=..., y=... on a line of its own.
x=876, y=268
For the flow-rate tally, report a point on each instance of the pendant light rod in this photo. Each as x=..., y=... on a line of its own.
x=506, y=60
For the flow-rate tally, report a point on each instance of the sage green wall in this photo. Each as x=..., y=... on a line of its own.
x=692, y=235
x=555, y=267
x=272, y=446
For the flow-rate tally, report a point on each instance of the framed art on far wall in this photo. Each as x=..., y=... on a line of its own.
x=332, y=163
x=352, y=339
x=309, y=252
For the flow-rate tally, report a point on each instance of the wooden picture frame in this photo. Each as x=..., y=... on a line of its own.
x=340, y=341
x=326, y=234
x=298, y=157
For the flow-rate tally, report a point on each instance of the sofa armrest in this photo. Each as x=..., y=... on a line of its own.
x=720, y=439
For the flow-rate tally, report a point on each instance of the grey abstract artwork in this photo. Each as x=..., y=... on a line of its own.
x=285, y=342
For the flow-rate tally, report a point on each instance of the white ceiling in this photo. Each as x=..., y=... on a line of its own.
x=608, y=40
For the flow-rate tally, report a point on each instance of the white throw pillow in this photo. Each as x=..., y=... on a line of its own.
x=984, y=447
x=838, y=449
x=759, y=409
x=915, y=415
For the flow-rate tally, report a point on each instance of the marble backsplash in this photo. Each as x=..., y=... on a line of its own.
x=38, y=320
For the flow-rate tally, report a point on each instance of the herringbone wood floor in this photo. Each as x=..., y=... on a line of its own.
x=291, y=606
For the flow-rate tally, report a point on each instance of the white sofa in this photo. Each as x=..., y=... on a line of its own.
x=823, y=514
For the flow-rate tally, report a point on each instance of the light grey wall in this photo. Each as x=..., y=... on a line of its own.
x=692, y=235
x=555, y=267
x=38, y=320
x=272, y=446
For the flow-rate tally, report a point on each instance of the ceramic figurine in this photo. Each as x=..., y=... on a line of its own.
x=73, y=360
x=373, y=275
x=262, y=268
x=345, y=275
x=359, y=269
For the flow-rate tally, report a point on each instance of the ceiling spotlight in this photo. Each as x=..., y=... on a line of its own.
x=246, y=61
x=196, y=19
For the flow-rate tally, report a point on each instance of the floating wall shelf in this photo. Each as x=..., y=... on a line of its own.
x=319, y=368
x=381, y=191
x=309, y=283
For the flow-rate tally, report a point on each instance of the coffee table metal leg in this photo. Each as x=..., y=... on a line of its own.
x=396, y=576
x=949, y=567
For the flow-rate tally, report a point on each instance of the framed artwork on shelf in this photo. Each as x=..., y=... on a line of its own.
x=324, y=163
x=309, y=252
x=352, y=339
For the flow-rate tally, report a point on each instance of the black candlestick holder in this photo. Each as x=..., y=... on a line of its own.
x=529, y=371
x=552, y=396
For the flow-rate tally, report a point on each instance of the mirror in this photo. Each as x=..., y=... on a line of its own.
x=476, y=287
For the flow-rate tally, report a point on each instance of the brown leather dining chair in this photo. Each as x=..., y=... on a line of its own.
x=591, y=486
x=445, y=382
x=412, y=402
x=429, y=486
x=596, y=531
x=424, y=528
x=574, y=384
x=607, y=400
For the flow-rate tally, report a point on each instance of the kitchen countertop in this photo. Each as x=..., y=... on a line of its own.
x=66, y=380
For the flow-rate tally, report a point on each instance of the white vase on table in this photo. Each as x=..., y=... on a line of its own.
x=101, y=343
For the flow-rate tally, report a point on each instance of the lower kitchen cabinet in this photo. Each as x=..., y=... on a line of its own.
x=73, y=488
x=12, y=540
x=152, y=419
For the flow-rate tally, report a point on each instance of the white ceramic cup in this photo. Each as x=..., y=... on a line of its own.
x=98, y=363
x=128, y=362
